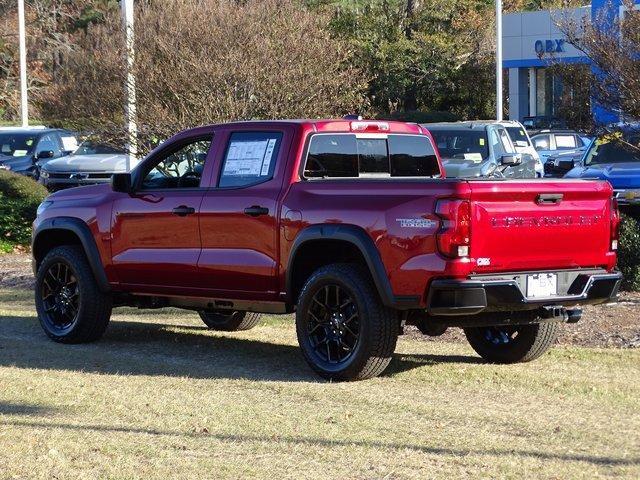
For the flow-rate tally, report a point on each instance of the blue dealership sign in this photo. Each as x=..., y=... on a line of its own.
x=549, y=46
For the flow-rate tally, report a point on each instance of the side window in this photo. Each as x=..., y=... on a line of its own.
x=48, y=142
x=541, y=142
x=496, y=143
x=181, y=168
x=507, y=145
x=250, y=158
x=565, y=142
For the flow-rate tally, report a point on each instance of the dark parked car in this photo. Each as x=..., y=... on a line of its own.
x=536, y=123
x=91, y=163
x=24, y=150
x=346, y=223
x=559, y=164
x=480, y=149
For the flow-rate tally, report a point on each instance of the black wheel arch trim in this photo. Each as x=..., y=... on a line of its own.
x=81, y=230
x=361, y=240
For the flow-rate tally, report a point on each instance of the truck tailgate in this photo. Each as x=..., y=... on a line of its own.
x=538, y=224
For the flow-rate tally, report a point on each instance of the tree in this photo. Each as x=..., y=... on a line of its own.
x=51, y=29
x=222, y=61
x=612, y=46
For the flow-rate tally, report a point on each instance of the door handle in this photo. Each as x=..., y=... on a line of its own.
x=256, y=211
x=183, y=211
x=549, y=198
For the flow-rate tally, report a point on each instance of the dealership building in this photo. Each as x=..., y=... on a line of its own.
x=530, y=41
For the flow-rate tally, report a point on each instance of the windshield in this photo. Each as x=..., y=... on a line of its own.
x=462, y=144
x=17, y=144
x=517, y=134
x=614, y=150
x=93, y=148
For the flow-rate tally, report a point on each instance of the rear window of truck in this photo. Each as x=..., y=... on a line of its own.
x=370, y=156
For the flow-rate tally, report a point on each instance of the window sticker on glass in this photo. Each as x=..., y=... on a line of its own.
x=19, y=153
x=481, y=140
x=474, y=157
x=249, y=158
x=268, y=155
x=69, y=144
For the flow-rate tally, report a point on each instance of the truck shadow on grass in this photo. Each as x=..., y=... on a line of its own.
x=336, y=442
x=140, y=348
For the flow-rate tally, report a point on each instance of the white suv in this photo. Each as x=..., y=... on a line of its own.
x=522, y=142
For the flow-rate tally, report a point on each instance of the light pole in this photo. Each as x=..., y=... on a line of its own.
x=24, y=106
x=130, y=85
x=499, y=114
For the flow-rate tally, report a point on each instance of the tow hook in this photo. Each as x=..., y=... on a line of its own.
x=562, y=314
x=575, y=315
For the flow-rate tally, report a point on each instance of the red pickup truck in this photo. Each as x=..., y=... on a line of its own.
x=349, y=224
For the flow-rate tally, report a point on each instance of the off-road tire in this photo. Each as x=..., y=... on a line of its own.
x=378, y=325
x=230, y=322
x=94, y=306
x=530, y=343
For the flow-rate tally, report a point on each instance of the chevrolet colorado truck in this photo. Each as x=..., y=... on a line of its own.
x=349, y=224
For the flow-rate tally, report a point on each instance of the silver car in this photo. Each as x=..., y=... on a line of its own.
x=477, y=149
x=550, y=143
x=90, y=164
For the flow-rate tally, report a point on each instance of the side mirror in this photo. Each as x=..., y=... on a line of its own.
x=511, y=160
x=566, y=164
x=121, y=182
x=44, y=154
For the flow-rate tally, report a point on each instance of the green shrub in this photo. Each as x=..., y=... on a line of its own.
x=19, y=200
x=629, y=252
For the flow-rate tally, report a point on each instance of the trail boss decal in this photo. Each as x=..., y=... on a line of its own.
x=416, y=223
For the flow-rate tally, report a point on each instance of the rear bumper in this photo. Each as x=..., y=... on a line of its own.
x=502, y=294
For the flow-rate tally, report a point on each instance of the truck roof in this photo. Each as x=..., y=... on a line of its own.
x=336, y=125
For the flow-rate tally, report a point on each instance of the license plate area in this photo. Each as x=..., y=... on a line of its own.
x=542, y=285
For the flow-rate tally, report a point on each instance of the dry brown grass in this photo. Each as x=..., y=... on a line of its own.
x=162, y=397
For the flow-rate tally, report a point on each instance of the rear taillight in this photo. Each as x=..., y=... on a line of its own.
x=615, y=224
x=454, y=236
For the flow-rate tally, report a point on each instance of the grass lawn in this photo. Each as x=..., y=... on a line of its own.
x=160, y=396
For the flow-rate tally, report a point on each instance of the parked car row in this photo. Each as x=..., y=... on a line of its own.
x=58, y=159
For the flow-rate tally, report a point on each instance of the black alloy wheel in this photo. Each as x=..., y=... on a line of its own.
x=334, y=324
x=512, y=343
x=60, y=297
x=344, y=330
x=70, y=305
